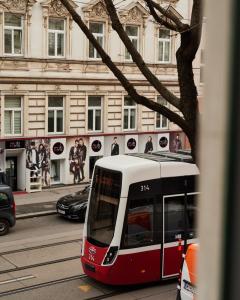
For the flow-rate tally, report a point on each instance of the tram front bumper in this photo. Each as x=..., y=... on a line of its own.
x=98, y=272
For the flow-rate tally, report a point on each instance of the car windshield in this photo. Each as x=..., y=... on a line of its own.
x=104, y=202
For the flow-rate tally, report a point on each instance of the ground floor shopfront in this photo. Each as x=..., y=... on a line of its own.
x=33, y=164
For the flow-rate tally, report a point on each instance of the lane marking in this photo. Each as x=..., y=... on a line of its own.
x=17, y=279
x=85, y=288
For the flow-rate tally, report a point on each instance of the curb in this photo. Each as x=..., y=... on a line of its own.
x=36, y=214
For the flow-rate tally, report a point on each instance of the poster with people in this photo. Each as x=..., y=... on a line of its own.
x=77, y=160
x=38, y=159
x=115, y=147
x=149, y=145
x=176, y=142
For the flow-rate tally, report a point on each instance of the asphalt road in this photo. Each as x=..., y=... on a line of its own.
x=39, y=260
x=40, y=229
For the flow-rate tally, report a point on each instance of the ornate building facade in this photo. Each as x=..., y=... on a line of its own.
x=57, y=95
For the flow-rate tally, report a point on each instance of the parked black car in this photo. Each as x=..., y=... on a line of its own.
x=7, y=209
x=74, y=206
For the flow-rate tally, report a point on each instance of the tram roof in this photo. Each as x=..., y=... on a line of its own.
x=151, y=165
x=153, y=157
x=176, y=156
x=138, y=159
x=121, y=162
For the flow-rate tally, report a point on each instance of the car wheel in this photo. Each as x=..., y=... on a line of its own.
x=4, y=226
x=178, y=295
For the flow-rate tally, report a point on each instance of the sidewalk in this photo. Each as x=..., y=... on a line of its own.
x=42, y=203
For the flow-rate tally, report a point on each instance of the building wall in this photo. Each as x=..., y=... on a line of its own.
x=35, y=76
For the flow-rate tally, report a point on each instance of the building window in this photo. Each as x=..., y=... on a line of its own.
x=55, y=114
x=56, y=37
x=13, y=34
x=164, y=46
x=13, y=115
x=97, y=29
x=133, y=34
x=161, y=121
x=130, y=109
x=94, y=113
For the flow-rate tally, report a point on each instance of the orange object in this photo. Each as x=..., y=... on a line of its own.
x=187, y=284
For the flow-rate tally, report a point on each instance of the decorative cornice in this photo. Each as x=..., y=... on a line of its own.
x=72, y=81
x=95, y=10
x=17, y=6
x=134, y=13
x=55, y=8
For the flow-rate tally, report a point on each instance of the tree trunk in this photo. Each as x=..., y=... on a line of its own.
x=188, y=90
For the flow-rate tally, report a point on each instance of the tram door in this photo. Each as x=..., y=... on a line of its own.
x=173, y=234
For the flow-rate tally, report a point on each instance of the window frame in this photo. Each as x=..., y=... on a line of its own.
x=132, y=38
x=161, y=116
x=164, y=41
x=95, y=53
x=129, y=108
x=94, y=109
x=185, y=212
x=12, y=110
x=152, y=213
x=13, y=28
x=55, y=109
x=56, y=33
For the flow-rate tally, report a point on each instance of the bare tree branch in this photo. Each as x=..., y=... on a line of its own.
x=190, y=40
x=159, y=19
x=168, y=14
x=137, y=58
x=172, y=116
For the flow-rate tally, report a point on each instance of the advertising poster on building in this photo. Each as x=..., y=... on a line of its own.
x=114, y=145
x=147, y=143
x=176, y=141
x=96, y=144
x=58, y=155
x=78, y=160
x=131, y=143
x=163, y=142
x=58, y=148
x=38, y=160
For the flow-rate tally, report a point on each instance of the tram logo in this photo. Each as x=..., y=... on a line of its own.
x=91, y=252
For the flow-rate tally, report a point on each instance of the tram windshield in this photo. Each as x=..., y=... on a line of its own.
x=104, y=202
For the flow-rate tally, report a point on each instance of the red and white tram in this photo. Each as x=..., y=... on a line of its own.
x=141, y=210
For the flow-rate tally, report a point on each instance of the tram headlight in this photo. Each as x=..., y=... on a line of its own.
x=111, y=254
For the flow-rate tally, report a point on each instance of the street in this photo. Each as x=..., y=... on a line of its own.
x=40, y=260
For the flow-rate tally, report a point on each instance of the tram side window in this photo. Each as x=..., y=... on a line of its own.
x=191, y=216
x=139, y=227
x=173, y=218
